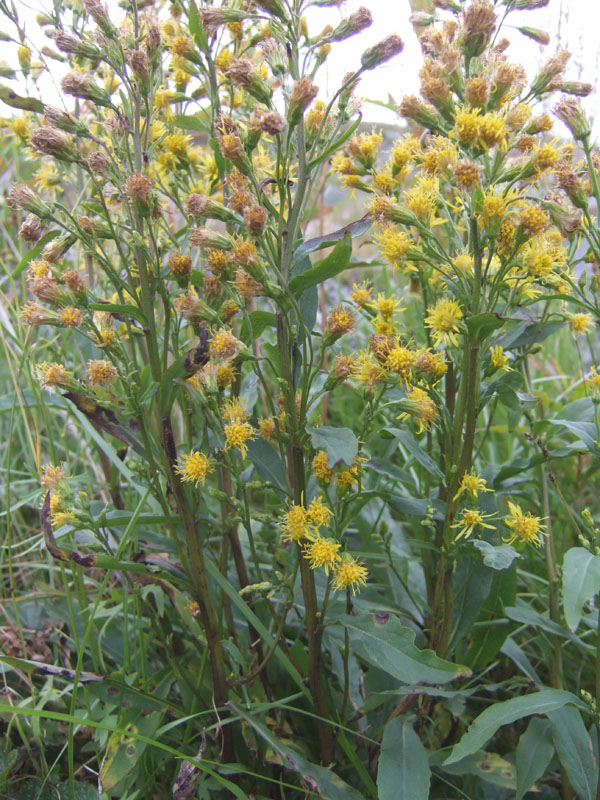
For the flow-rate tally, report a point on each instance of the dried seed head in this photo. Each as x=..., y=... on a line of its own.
x=196, y=204
x=67, y=43
x=577, y=88
x=99, y=14
x=98, y=162
x=381, y=347
x=53, y=142
x=303, y=93
x=255, y=219
x=467, y=174
x=479, y=24
x=46, y=289
x=208, y=238
x=213, y=288
x=180, y=266
x=74, y=282
x=213, y=17
x=139, y=188
x=272, y=123
x=56, y=249
x=35, y=314
x=354, y=24
x=140, y=63
x=31, y=229
x=246, y=285
x=190, y=307
x=101, y=372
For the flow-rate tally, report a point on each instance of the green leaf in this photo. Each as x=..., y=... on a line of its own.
x=416, y=506
x=123, y=751
x=496, y=556
x=189, y=122
x=526, y=333
x=490, y=631
x=415, y=449
x=586, y=431
x=385, y=643
x=14, y=100
x=581, y=581
x=582, y=410
x=118, y=308
x=259, y=320
x=534, y=753
x=334, y=263
x=403, y=763
x=482, y=325
x=82, y=791
x=320, y=780
x=487, y=723
x=340, y=444
x=574, y=748
x=8, y=758
x=321, y=242
x=267, y=462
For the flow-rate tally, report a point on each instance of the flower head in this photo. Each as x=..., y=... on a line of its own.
x=295, y=524
x=580, y=323
x=320, y=469
x=525, y=527
x=349, y=574
x=420, y=407
x=498, y=359
x=442, y=319
x=318, y=513
x=194, y=467
x=470, y=519
x=322, y=552
x=237, y=434
x=472, y=484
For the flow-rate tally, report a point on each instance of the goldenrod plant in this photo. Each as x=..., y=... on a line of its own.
x=297, y=501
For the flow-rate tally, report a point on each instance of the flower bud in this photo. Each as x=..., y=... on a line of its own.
x=65, y=121
x=213, y=17
x=99, y=14
x=78, y=84
x=255, y=219
x=180, y=266
x=569, y=110
x=539, y=36
x=139, y=188
x=378, y=54
x=21, y=196
x=206, y=237
x=354, y=24
x=272, y=123
x=142, y=69
x=423, y=114
x=577, y=88
x=199, y=205
x=242, y=72
x=273, y=7
x=275, y=56
x=420, y=19
x=56, y=249
x=67, y=43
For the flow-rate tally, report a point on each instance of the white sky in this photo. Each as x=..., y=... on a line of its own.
x=571, y=23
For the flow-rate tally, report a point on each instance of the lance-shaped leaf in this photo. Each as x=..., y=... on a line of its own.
x=332, y=265
x=581, y=581
x=383, y=642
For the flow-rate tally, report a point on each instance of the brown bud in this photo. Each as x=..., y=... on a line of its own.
x=388, y=48
x=479, y=24
x=53, y=142
x=140, y=63
x=196, y=204
x=31, y=229
x=303, y=93
x=74, y=281
x=139, y=188
x=381, y=346
x=180, y=266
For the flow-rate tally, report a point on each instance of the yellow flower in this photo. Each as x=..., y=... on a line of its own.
x=471, y=518
x=422, y=199
x=322, y=553
x=194, y=467
x=234, y=410
x=442, y=319
x=320, y=469
x=467, y=122
x=463, y=263
x=420, y=407
x=319, y=514
x=580, y=323
x=472, y=484
x=224, y=345
x=387, y=306
x=370, y=372
x=492, y=130
x=393, y=244
x=52, y=477
x=401, y=360
x=52, y=376
x=383, y=327
x=349, y=574
x=100, y=372
x=295, y=524
x=498, y=359
x=593, y=382
x=237, y=434
x=525, y=527
x=361, y=293
x=20, y=127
